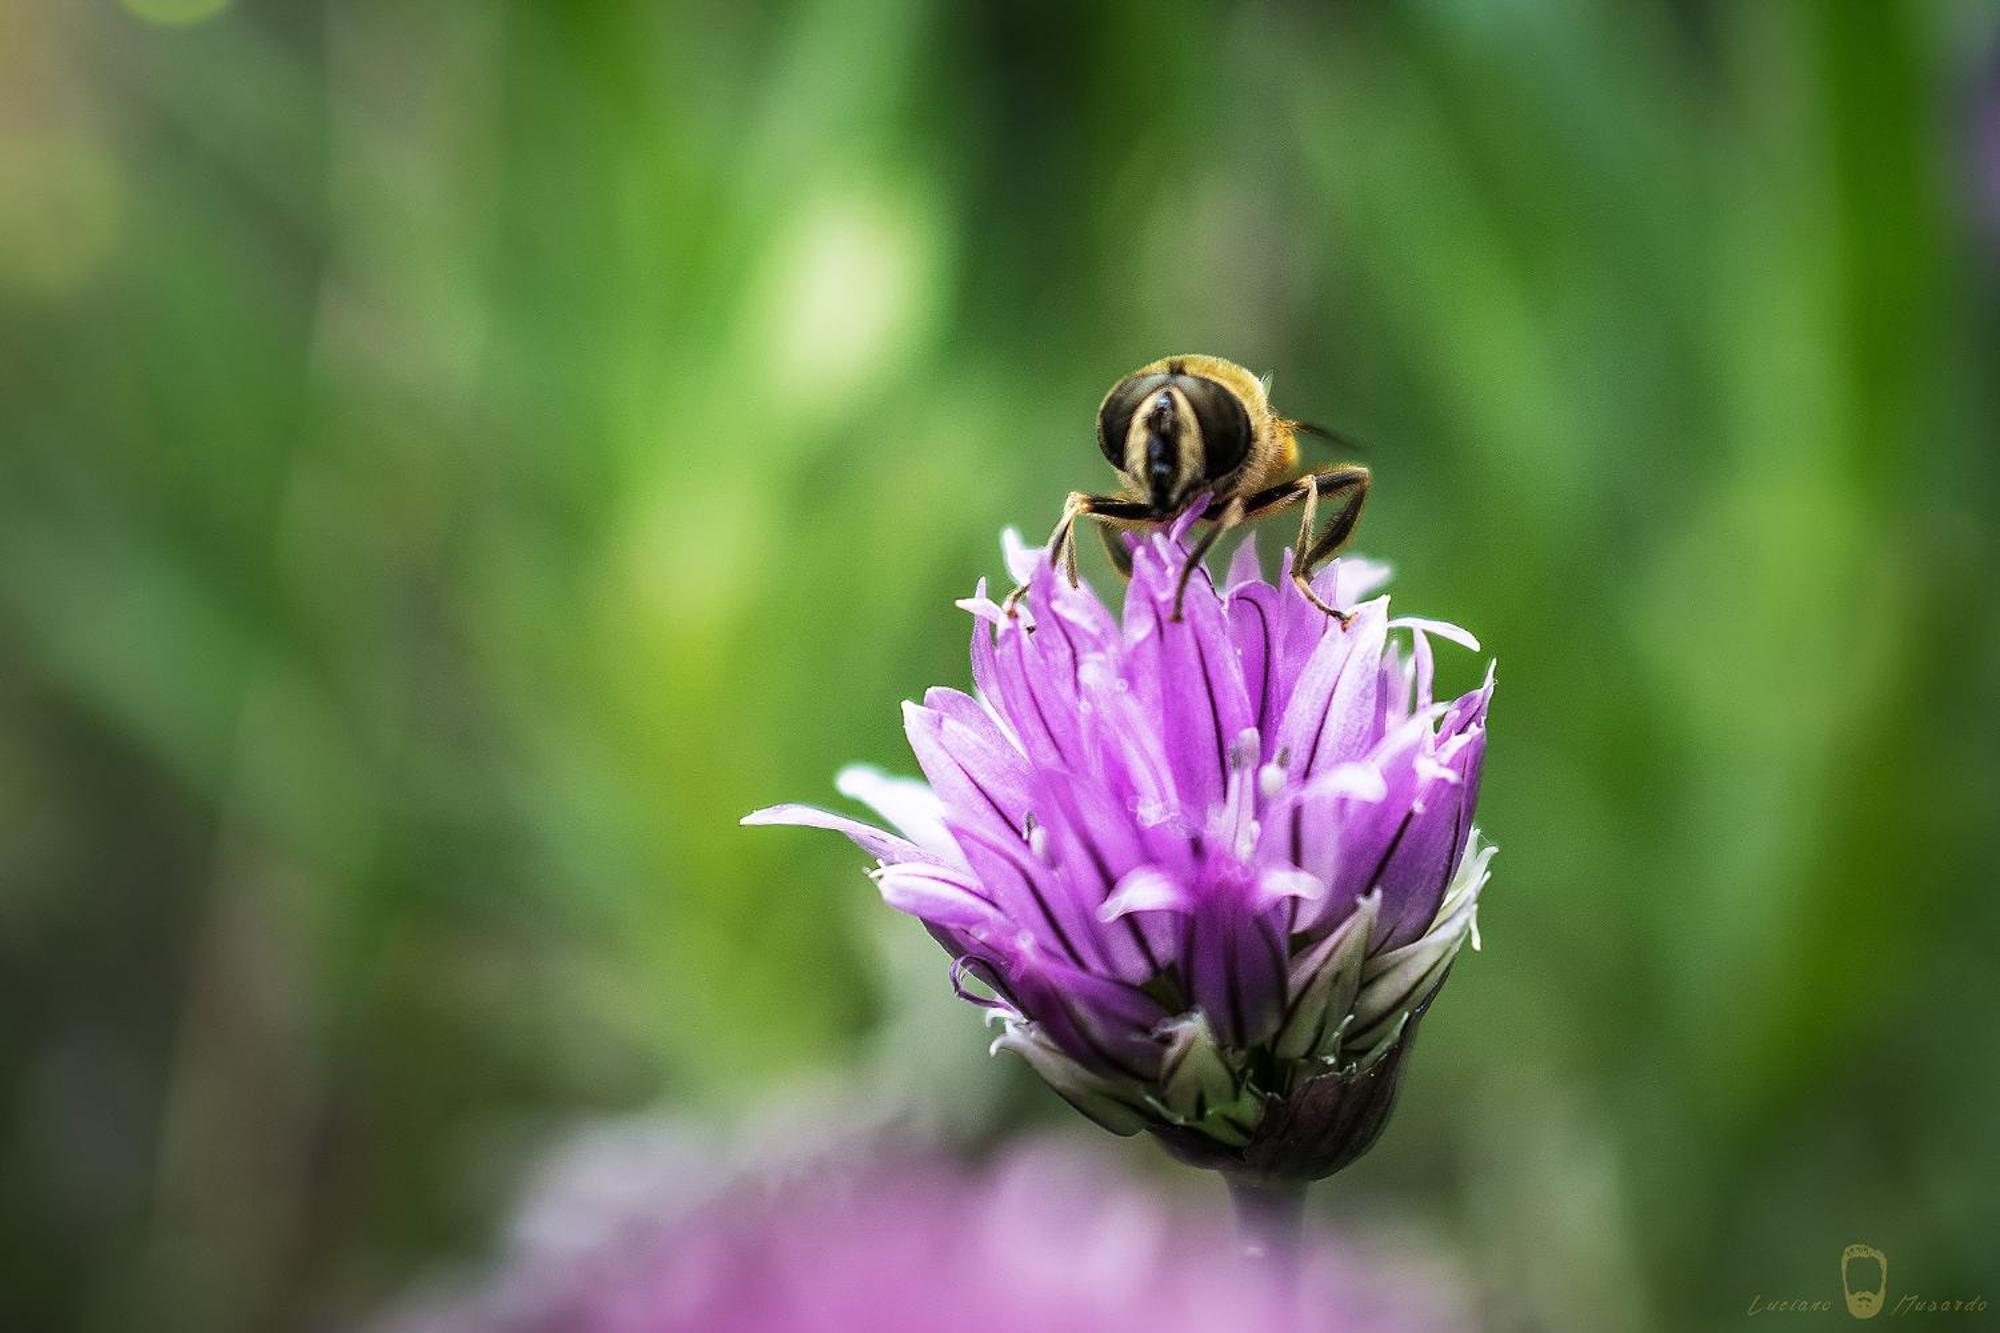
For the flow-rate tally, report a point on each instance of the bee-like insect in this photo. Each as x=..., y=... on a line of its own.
x=1188, y=426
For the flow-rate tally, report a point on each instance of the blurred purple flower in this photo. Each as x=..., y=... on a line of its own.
x=1986, y=142
x=1210, y=871
x=1041, y=1242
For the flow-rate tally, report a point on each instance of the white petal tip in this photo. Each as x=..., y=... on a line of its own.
x=1289, y=882
x=1444, y=629
x=983, y=608
x=1142, y=890
x=851, y=775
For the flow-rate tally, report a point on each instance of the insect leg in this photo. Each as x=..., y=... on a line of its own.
x=1121, y=555
x=1062, y=542
x=1231, y=515
x=1347, y=488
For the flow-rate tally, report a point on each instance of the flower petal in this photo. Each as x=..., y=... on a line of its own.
x=1188, y=671
x=1104, y=1025
x=1019, y=557
x=1332, y=716
x=1402, y=981
x=1245, y=569
x=1255, y=627
x=908, y=804
x=939, y=896
x=1039, y=697
x=1234, y=960
x=1324, y=983
x=1194, y=1077
x=1444, y=629
x=884, y=847
x=1345, y=581
x=1116, y=1106
x=1416, y=868
x=979, y=779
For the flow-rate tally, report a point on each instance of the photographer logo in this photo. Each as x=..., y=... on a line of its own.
x=1864, y=1284
x=1864, y=1279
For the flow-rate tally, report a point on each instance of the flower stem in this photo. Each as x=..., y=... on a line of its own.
x=1269, y=1220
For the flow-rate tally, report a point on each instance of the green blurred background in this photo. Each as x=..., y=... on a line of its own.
x=457, y=457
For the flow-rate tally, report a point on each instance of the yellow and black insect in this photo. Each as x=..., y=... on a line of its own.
x=1191, y=425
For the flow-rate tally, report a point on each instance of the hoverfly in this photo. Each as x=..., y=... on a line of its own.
x=1186, y=426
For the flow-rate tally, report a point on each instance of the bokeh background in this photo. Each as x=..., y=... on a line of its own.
x=457, y=457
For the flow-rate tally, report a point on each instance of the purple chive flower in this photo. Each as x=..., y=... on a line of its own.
x=1207, y=874
x=1040, y=1241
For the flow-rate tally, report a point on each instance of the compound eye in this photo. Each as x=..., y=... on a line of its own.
x=1114, y=419
x=1225, y=424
